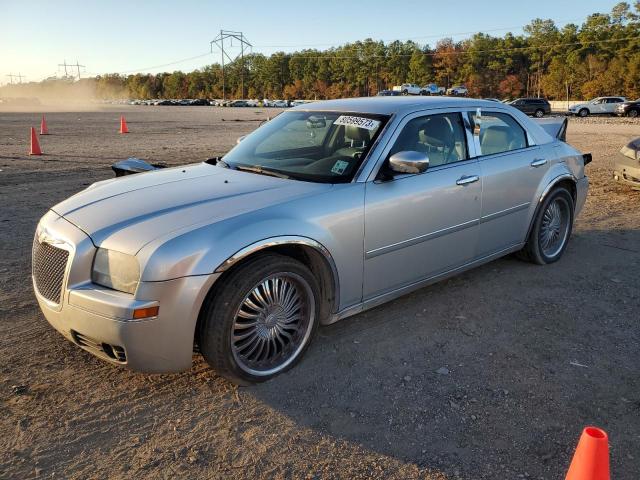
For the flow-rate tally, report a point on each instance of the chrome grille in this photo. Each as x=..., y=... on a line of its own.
x=48, y=266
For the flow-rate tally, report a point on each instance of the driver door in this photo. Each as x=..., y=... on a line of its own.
x=420, y=225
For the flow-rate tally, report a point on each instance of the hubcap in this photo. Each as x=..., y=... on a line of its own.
x=272, y=324
x=555, y=227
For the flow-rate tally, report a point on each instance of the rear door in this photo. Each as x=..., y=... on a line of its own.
x=420, y=225
x=511, y=167
x=612, y=104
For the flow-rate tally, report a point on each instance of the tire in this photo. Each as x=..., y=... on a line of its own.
x=537, y=250
x=275, y=342
x=538, y=113
x=423, y=93
x=405, y=92
x=633, y=113
x=584, y=112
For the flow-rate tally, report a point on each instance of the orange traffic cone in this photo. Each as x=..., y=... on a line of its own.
x=123, y=125
x=591, y=460
x=35, y=146
x=43, y=126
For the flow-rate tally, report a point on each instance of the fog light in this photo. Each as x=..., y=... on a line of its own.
x=147, y=312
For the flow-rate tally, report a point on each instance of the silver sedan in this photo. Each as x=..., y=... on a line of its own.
x=327, y=210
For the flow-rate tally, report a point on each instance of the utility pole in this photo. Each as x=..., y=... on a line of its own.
x=219, y=42
x=77, y=65
x=65, y=67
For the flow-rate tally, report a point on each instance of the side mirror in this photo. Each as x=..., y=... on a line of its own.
x=239, y=139
x=409, y=162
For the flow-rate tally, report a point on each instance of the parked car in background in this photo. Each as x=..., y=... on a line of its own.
x=239, y=103
x=388, y=93
x=626, y=167
x=409, y=89
x=432, y=89
x=629, y=108
x=597, y=106
x=245, y=255
x=538, y=107
x=458, y=91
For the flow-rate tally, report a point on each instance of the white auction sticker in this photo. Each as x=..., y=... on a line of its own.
x=361, y=122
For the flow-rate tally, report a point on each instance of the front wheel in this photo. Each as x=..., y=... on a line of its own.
x=583, y=112
x=405, y=92
x=539, y=113
x=633, y=113
x=551, y=230
x=260, y=320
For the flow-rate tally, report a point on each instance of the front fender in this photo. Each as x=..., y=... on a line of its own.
x=332, y=223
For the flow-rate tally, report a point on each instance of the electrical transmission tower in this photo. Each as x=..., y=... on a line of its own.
x=65, y=65
x=244, y=44
x=19, y=76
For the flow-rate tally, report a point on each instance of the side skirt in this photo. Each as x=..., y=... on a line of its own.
x=387, y=297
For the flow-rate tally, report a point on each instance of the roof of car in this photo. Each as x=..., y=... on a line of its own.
x=390, y=105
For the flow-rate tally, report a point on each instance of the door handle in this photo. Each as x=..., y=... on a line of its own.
x=467, y=179
x=538, y=162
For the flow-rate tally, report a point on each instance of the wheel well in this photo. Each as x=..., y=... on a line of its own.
x=310, y=257
x=569, y=185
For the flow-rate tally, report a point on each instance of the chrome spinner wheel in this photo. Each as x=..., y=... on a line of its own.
x=555, y=226
x=272, y=324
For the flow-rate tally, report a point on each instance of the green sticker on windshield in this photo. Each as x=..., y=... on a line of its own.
x=339, y=167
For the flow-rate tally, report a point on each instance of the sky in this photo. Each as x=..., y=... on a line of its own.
x=118, y=36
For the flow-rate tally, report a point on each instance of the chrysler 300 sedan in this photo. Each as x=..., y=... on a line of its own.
x=328, y=209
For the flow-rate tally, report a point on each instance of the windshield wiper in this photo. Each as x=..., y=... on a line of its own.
x=261, y=171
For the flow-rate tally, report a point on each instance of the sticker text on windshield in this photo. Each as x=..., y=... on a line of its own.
x=361, y=122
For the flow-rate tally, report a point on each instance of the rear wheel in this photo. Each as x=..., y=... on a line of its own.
x=633, y=113
x=539, y=113
x=551, y=230
x=583, y=112
x=261, y=319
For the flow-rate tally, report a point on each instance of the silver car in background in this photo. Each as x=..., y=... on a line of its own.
x=327, y=210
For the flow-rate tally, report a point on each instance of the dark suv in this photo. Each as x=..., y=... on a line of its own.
x=538, y=107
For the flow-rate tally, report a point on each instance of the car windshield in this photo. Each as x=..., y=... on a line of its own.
x=325, y=147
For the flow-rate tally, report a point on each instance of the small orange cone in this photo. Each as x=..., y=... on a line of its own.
x=43, y=126
x=35, y=146
x=591, y=460
x=123, y=125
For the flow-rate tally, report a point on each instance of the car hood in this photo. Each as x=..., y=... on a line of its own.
x=126, y=213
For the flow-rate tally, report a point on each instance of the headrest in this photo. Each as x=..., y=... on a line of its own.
x=495, y=139
x=359, y=135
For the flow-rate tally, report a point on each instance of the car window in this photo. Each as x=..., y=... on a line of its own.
x=499, y=132
x=296, y=134
x=598, y=101
x=442, y=137
x=614, y=100
x=317, y=146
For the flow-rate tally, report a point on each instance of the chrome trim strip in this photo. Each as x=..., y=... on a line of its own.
x=419, y=239
x=387, y=297
x=286, y=240
x=506, y=211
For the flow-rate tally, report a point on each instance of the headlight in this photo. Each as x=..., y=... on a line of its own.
x=116, y=270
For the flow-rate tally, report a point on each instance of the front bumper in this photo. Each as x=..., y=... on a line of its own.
x=582, y=188
x=99, y=320
x=626, y=171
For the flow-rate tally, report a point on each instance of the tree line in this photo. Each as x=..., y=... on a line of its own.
x=599, y=57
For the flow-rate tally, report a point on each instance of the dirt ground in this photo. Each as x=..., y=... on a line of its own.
x=489, y=375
